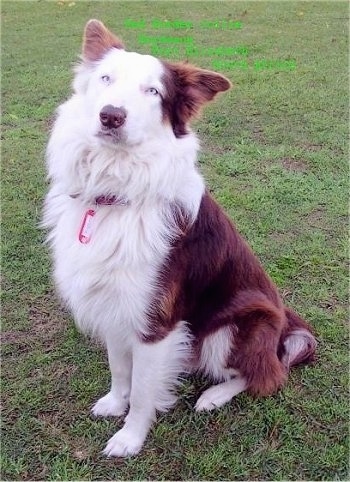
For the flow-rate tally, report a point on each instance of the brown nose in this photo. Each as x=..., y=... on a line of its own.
x=111, y=116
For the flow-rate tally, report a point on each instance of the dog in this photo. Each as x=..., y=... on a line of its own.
x=143, y=256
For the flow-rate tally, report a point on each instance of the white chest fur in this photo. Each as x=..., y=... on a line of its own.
x=108, y=282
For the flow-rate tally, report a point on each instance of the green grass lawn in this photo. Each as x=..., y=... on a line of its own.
x=274, y=153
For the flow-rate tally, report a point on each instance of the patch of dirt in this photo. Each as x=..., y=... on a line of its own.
x=49, y=123
x=46, y=319
x=284, y=237
x=81, y=454
x=295, y=165
x=258, y=134
x=312, y=147
x=215, y=148
x=316, y=214
x=316, y=218
x=332, y=304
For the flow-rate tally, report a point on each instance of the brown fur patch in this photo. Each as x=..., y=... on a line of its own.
x=212, y=280
x=98, y=40
x=166, y=303
x=260, y=324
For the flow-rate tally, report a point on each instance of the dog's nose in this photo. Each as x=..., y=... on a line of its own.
x=111, y=116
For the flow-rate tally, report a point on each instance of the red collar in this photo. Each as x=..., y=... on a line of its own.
x=112, y=200
x=109, y=200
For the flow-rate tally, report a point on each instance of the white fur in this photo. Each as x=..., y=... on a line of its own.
x=295, y=343
x=215, y=352
x=109, y=282
x=155, y=373
x=218, y=395
x=117, y=400
x=213, y=361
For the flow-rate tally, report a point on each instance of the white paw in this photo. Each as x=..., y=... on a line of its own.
x=211, y=399
x=109, y=405
x=219, y=394
x=123, y=444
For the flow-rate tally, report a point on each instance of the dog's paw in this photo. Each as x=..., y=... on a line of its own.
x=109, y=405
x=217, y=395
x=204, y=403
x=210, y=399
x=123, y=444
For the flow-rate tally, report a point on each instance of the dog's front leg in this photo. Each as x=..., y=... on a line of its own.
x=116, y=401
x=156, y=368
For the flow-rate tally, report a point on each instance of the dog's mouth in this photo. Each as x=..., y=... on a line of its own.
x=113, y=135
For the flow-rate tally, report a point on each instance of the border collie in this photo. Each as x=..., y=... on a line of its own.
x=143, y=256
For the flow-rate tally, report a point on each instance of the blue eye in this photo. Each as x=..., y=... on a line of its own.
x=152, y=91
x=106, y=79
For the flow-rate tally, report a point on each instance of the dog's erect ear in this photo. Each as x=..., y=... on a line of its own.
x=98, y=40
x=188, y=89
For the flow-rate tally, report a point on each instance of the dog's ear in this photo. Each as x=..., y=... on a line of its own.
x=98, y=40
x=202, y=84
x=188, y=89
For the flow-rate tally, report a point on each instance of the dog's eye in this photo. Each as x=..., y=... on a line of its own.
x=106, y=79
x=152, y=91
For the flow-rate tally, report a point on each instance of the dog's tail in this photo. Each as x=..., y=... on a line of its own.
x=298, y=341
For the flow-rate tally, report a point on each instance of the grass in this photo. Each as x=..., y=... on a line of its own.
x=275, y=156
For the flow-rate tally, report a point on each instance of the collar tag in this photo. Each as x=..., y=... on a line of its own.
x=85, y=230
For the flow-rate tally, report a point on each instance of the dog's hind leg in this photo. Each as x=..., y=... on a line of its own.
x=260, y=324
x=246, y=348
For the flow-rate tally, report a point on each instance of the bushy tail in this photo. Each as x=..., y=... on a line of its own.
x=299, y=344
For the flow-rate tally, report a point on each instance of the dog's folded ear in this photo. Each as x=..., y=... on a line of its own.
x=98, y=40
x=188, y=89
x=191, y=78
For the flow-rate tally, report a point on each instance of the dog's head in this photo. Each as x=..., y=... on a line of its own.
x=129, y=97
